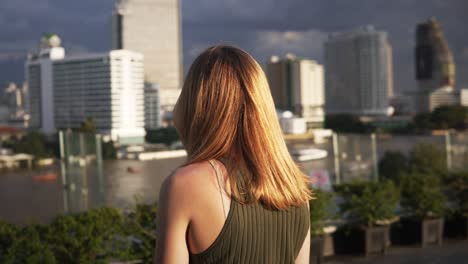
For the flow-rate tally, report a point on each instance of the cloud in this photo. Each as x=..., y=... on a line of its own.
x=25, y=8
x=233, y=10
x=195, y=49
x=465, y=53
x=262, y=27
x=307, y=43
x=12, y=56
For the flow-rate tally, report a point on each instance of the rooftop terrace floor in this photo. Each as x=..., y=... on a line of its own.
x=451, y=252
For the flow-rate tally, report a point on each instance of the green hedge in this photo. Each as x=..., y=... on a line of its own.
x=95, y=236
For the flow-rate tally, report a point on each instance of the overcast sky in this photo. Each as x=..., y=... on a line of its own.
x=262, y=27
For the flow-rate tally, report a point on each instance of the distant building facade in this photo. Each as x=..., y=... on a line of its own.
x=16, y=99
x=106, y=87
x=152, y=106
x=358, y=72
x=153, y=28
x=297, y=85
x=435, y=67
x=39, y=81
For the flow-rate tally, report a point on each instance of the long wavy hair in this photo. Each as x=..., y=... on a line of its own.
x=226, y=112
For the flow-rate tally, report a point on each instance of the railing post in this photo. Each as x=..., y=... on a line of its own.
x=336, y=158
x=375, y=158
x=448, y=150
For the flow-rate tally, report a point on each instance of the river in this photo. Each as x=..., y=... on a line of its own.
x=24, y=200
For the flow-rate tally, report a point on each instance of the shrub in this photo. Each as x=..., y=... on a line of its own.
x=320, y=210
x=458, y=191
x=368, y=202
x=422, y=195
x=28, y=248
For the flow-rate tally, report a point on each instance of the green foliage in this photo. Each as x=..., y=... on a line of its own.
x=109, y=152
x=34, y=143
x=96, y=236
x=8, y=233
x=86, y=237
x=422, y=122
x=428, y=158
x=141, y=225
x=27, y=248
x=165, y=135
x=320, y=211
x=345, y=123
x=368, y=202
x=458, y=194
x=443, y=117
x=454, y=116
x=88, y=126
x=393, y=165
x=422, y=195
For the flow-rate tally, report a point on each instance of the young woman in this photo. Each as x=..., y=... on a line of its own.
x=240, y=198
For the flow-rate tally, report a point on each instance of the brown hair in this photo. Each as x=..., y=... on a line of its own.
x=226, y=112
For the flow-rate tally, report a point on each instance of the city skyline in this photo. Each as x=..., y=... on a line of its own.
x=274, y=28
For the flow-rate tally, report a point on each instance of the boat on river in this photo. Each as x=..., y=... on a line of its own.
x=307, y=154
x=45, y=177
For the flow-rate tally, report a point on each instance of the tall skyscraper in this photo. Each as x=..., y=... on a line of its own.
x=106, y=87
x=358, y=72
x=153, y=28
x=435, y=68
x=297, y=85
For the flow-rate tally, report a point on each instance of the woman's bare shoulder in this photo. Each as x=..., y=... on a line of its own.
x=189, y=183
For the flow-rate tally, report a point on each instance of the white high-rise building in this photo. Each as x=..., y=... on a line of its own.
x=153, y=28
x=297, y=85
x=106, y=87
x=358, y=72
x=39, y=81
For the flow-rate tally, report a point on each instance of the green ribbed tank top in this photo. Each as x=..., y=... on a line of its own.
x=254, y=234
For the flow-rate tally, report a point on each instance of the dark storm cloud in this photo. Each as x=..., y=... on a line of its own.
x=262, y=27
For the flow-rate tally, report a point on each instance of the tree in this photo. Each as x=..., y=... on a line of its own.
x=423, y=121
x=165, y=135
x=454, y=116
x=34, y=143
x=443, y=117
x=88, y=126
x=108, y=147
x=109, y=151
x=345, y=123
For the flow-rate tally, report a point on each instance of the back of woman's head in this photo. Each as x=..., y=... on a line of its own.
x=226, y=112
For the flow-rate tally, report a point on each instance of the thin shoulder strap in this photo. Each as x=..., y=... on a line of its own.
x=219, y=185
